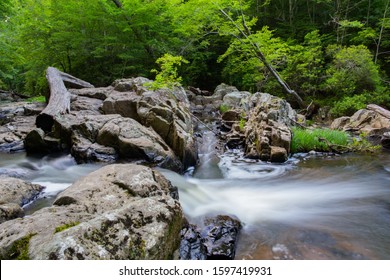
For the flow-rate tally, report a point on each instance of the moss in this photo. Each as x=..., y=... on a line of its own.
x=65, y=226
x=137, y=249
x=20, y=248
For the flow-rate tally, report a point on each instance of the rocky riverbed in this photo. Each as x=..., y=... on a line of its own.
x=127, y=209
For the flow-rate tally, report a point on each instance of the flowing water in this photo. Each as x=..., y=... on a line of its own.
x=334, y=207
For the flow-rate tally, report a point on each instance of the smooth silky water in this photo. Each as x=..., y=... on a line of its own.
x=335, y=207
x=307, y=208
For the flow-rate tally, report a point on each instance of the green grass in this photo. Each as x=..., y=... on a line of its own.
x=40, y=98
x=308, y=140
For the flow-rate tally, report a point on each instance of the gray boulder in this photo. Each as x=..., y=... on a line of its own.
x=265, y=130
x=120, y=211
x=15, y=193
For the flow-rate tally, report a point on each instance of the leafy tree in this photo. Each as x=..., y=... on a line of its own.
x=168, y=76
x=352, y=71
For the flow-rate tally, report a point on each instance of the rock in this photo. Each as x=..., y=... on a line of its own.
x=122, y=103
x=34, y=108
x=267, y=132
x=224, y=89
x=121, y=211
x=166, y=111
x=236, y=99
x=370, y=122
x=278, y=154
x=132, y=140
x=95, y=93
x=13, y=133
x=131, y=85
x=191, y=245
x=15, y=193
x=385, y=140
x=216, y=239
x=109, y=137
x=340, y=123
x=91, y=105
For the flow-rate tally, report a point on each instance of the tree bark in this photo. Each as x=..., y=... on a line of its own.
x=59, y=100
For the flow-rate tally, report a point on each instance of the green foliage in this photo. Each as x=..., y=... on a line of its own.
x=167, y=77
x=224, y=108
x=40, y=98
x=309, y=140
x=352, y=71
x=348, y=105
x=329, y=62
x=244, y=69
x=65, y=226
x=242, y=124
x=361, y=144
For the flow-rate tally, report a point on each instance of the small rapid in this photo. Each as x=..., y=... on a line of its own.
x=328, y=207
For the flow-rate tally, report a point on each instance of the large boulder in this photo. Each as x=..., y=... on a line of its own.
x=121, y=211
x=265, y=130
x=109, y=137
x=166, y=111
x=373, y=122
x=14, y=194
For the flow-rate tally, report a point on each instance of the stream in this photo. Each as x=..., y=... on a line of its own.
x=329, y=207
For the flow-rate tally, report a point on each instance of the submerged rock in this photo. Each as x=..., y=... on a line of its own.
x=121, y=211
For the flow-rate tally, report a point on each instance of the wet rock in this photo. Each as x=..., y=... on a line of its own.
x=191, y=245
x=39, y=142
x=385, y=140
x=216, y=239
x=121, y=211
x=15, y=193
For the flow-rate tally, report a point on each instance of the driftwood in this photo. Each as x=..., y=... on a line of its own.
x=379, y=110
x=59, y=100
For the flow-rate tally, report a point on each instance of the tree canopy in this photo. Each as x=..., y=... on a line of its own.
x=334, y=52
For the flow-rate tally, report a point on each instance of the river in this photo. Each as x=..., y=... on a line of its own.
x=335, y=207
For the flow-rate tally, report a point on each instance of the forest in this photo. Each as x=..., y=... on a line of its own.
x=330, y=52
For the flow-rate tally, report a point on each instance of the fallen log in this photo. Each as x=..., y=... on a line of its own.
x=59, y=99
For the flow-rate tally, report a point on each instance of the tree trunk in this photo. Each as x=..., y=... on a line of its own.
x=59, y=100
